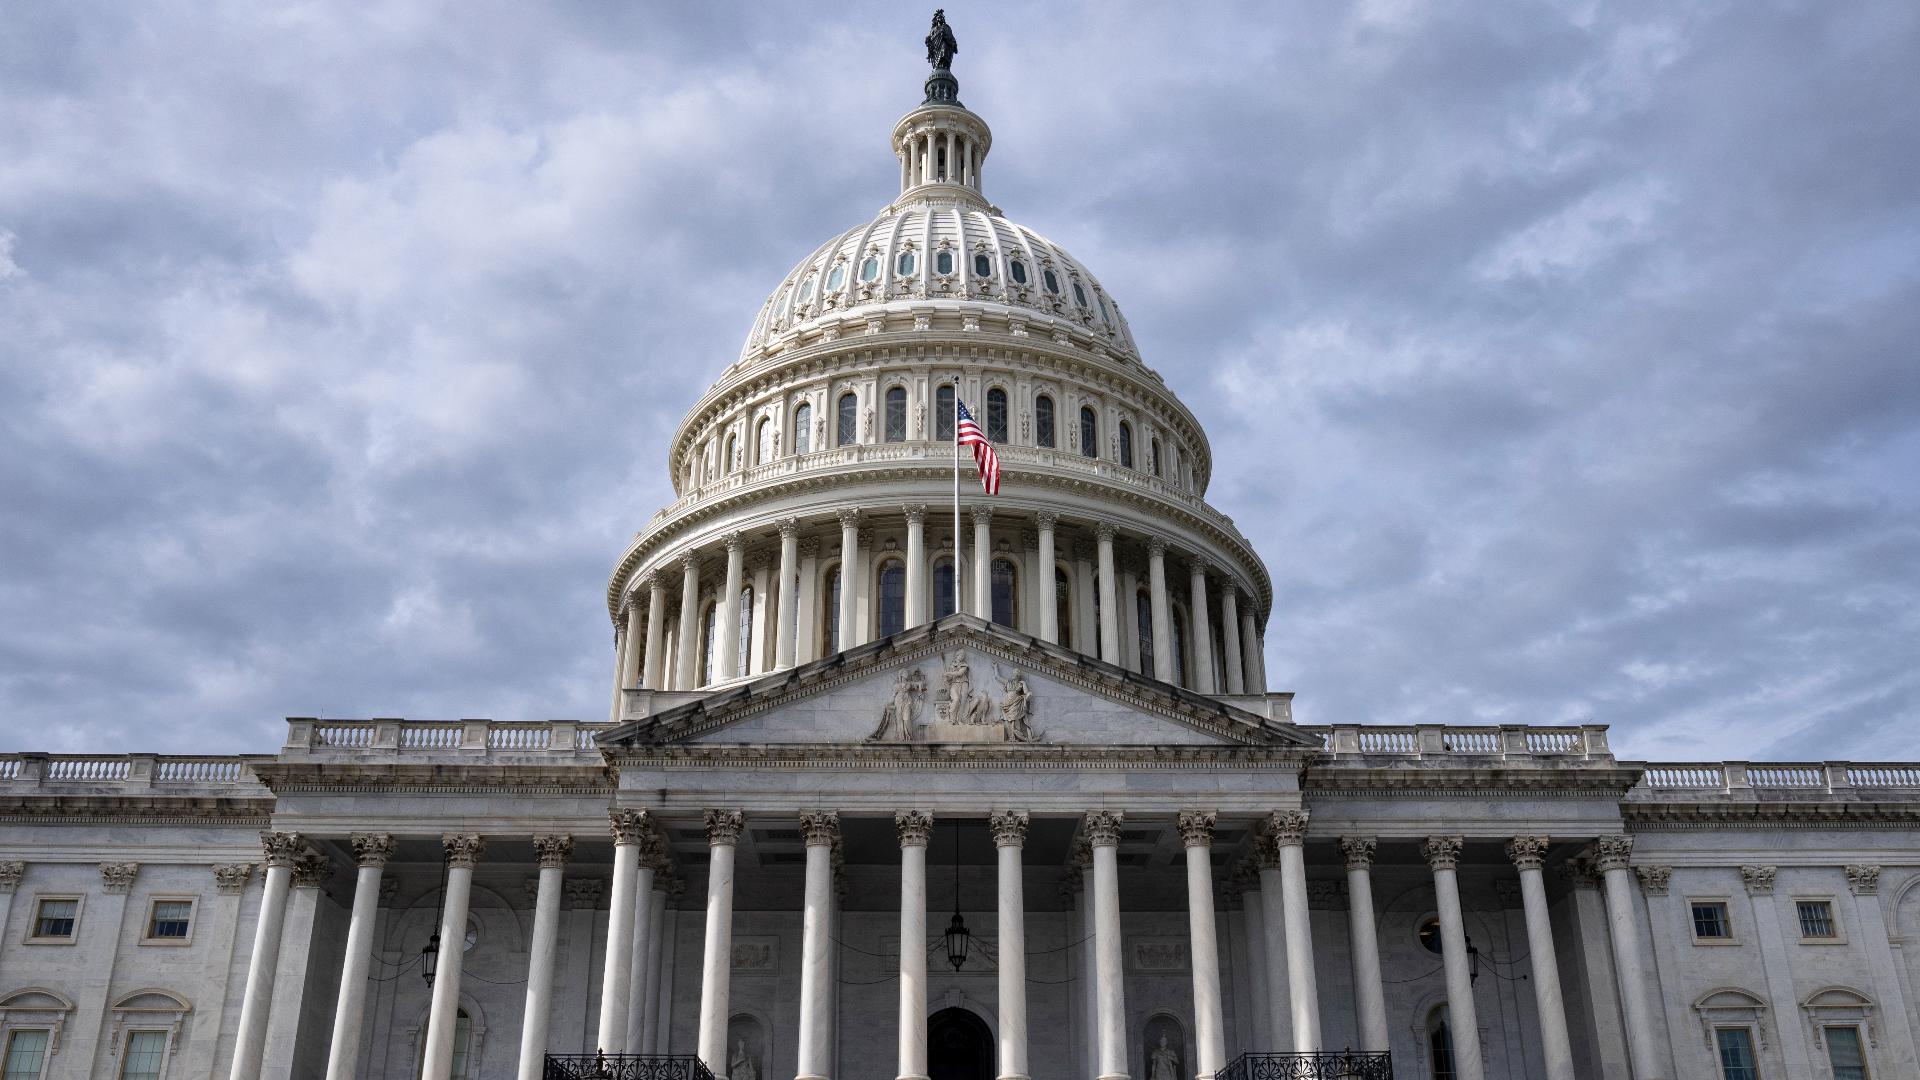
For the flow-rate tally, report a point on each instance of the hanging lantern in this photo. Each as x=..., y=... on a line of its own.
x=958, y=938
x=430, y=956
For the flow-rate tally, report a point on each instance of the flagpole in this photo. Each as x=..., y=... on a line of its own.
x=958, y=558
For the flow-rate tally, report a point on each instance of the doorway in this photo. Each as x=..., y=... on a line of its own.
x=959, y=1046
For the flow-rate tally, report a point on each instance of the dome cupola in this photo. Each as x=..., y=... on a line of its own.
x=942, y=142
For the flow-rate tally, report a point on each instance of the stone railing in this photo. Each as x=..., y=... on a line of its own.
x=1587, y=742
x=1786, y=778
x=158, y=772
x=308, y=735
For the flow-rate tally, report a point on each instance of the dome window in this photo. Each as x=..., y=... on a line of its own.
x=837, y=278
x=870, y=268
x=1043, y=421
x=897, y=414
x=1106, y=314
x=1126, y=444
x=806, y=289
x=847, y=419
x=1089, y=432
x=1079, y=294
x=1019, y=271
x=1052, y=282
x=803, y=428
x=943, y=415
x=997, y=415
x=905, y=264
x=943, y=263
x=982, y=266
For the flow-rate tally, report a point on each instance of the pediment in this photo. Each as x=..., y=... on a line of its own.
x=958, y=682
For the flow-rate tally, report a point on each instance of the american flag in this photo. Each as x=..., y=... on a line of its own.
x=967, y=433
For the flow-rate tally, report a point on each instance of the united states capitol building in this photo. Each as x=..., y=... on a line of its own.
x=885, y=794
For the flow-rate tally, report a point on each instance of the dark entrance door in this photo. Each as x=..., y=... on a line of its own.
x=959, y=1046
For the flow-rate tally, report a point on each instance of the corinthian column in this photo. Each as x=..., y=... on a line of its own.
x=1209, y=1024
x=1369, y=996
x=1162, y=611
x=917, y=609
x=630, y=827
x=283, y=849
x=1009, y=838
x=1230, y=637
x=1611, y=860
x=849, y=578
x=1289, y=831
x=630, y=657
x=1273, y=931
x=687, y=654
x=554, y=851
x=983, y=563
x=1103, y=833
x=786, y=588
x=914, y=827
x=1049, y=602
x=371, y=851
x=655, y=672
x=1201, y=677
x=1443, y=855
x=1528, y=853
x=716, y=961
x=726, y=618
x=1109, y=599
x=463, y=851
x=821, y=828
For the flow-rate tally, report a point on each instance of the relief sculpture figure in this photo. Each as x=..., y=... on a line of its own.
x=900, y=717
x=1015, y=705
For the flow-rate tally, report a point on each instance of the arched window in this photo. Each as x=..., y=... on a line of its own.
x=733, y=454
x=837, y=277
x=1063, y=603
x=1043, y=421
x=1089, y=432
x=1004, y=592
x=897, y=414
x=803, y=429
x=1053, y=282
x=893, y=597
x=743, y=641
x=943, y=587
x=763, y=441
x=1143, y=625
x=1079, y=295
x=997, y=415
x=847, y=423
x=462, y=1049
x=1126, y=444
x=707, y=644
x=832, y=613
x=1153, y=456
x=1440, y=1045
x=943, y=414
x=1179, y=647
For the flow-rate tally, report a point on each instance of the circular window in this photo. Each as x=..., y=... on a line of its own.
x=837, y=278
x=472, y=938
x=870, y=269
x=1429, y=934
x=904, y=265
x=1019, y=271
x=982, y=266
x=943, y=263
x=1079, y=294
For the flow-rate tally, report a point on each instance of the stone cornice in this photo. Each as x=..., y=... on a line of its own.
x=140, y=809
x=839, y=757
x=1652, y=816
x=1493, y=779
x=374, y=774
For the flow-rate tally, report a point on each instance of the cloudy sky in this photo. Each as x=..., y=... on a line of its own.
x=1561, y=360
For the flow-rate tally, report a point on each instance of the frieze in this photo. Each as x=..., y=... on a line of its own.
x=1156, y=955
x=756, y=955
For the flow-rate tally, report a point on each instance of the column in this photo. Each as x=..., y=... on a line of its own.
x=806, y=630
x=918, y=610
x=1230, y=637
x=1289, y=831
x=1369, y=995
x=1443, y=855
x=371, y=851
x=914, y=827
x=716, y=961
x=849, y=578
x=726, y=616
x=1086, y=608
x=644, y=933
x=1162, y=614
x=629, y=827
x=463, y=851
x=820, y=829
x=1209, y=1021
x=785, y=587
x=983, y=563
x=1273, y=944
x=1253, y=925
x=655, y=677
x=554, y=851
x=1250, y=654
x=1009, y=839
x=1528, y=854
x=1109, y=599
x=1103, y=832
x=282, y=849
x=1089, y=988
x=1611, y=860
x=926, y=162
x=1863, y=881
x=1200, y=675
x=630, y=658
x=651, y=1039
x=687, y=652
x=1049, y=604
x=620, y=639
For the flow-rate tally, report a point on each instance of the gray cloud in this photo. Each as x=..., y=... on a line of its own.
x=1558, y=360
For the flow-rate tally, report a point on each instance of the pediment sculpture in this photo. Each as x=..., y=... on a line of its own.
x=961, y=713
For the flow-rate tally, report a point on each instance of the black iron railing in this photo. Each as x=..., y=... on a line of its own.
x=1336, y=1065
x=625, y=1067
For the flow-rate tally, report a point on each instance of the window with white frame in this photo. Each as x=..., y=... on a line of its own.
x=169, y=920
x=1711, y=923
x=1816, y=919
x=26, y=1054
x=55, y=919
x=1846, y=1053
x=1735, y=1048
x=145, y=1055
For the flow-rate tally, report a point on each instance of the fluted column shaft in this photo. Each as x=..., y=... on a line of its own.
x=1103, y=833
x=1250, y=655
x=1369, y=994
x=1273, y=929
x=463, y=851
x=656, y=655
x=918, y=610
x=1200, y=672
x=1230, y=639
x=1528, y=853
x=624, y=644
x=787, y=589
x=716, y=960
x=983, y=564
x=1253, y=924
x=630, y=657
x=726, y=620
x=643, y=934
x=820, y=829
x=1289, y=833
x=629, y=830
x=541, y=954
x=1010, y=837
x=849, y=578
x=371, y=850
x=652, y=1041
x=251, y=1041
x=1049, y=602
x=1621, y=888
x=1162, y=611
x=914, y=827
x=1209, y=1022
x=1443, y=854
x=1109, y=600
x=687, y=661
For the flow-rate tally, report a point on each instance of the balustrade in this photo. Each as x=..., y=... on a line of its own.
x=625, y=1067
x=1341, y=1065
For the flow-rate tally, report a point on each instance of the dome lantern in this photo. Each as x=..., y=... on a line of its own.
x=941, y=142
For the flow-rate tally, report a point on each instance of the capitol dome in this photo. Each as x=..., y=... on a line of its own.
x=815, y=507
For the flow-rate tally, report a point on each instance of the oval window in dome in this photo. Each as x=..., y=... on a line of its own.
x=1053, y=283
x=870, y=269
x=1079, y=294
x=904, y=265
x=1019, y=271
x=943, y=263
x=982, y=266
x=837, y=278
x=1106, y=314
x=806, y=289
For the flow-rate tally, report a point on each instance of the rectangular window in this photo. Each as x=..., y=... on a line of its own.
x=1844, y=1054
x=1710, y=920
x=169, y=920
x=54, y=919
x=1816, y=918
x=1736, y=1054
x=26, y=1055
x=146, y=1050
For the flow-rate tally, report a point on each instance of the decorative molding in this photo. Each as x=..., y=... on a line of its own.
x=1612, y=852
x=10, y=874
x=463, y=849
x=553, y=850
x=913, y=826
x=1159, y=954
x=1326, y=893
x=231, y=878
x=372, y=849
x=1009, y=828
x=723, y=827
x=1358, y=851
x=282, y=849
x=1102, y=827
x=1287, y=828
x=117, y=878
x=1863, y=880
x=583, y=893
x=630, y=825
x=1579, y=874
x=1529, y=852
x=755, y=955
x=820, y=828
x=1757, y=879
x=1442, y=852
x=1196, y=828
x=1654, y=879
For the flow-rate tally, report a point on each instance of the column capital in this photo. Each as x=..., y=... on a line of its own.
x=723, y=827
x=1757, y=879
x=916, y=514
x=582, y=892
x=1103, y=827
x=1442, y=852
x=1196, y=828
x=820, y=828
x=688, y=562
x=1654, y=879
x=311, y=870
x=1029, y=540
x=117, y=877
x=1612, y=852
x=1528, y=852
x=1266, y=855
x=914, y=827
x=1358, y=851
x=282, y=848
x=629, y=825
x=1156, y=547
x=554, y=850
x=810, y=548
x=1046, y=519
x=372, y=849
x=1579, y=874
x=1009, y=828
x=1287, y=828
x=1072, y=880
x=463, y=849
x=789, y=528
x=983, y=515
x=850, y=516
x=648, y=580
x=1103, y=532
x=231, y=878
x=1863, y=880
x=733, y=541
